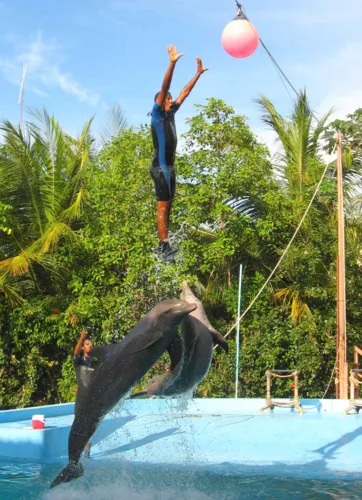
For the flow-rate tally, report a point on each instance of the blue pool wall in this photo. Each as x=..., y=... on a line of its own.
x=217, y=429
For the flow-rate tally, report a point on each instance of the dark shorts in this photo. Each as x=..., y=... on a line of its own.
x=164, y=192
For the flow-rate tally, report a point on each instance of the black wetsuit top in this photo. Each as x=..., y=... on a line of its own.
x=84, y=369
x=164, y=138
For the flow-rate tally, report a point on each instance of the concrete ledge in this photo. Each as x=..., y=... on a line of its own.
x=201, y=430
x=26, y=413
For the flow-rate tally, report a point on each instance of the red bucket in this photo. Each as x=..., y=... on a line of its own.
x=38, y=422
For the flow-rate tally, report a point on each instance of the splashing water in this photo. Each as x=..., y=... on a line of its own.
x=122, y=481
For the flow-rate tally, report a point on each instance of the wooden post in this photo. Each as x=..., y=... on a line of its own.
x=357, y=352
x=342, y=366
x=268, y=387
x=296, y=395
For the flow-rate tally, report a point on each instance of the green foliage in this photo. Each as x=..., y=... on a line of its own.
x=42, y=194
x=232, y=206
x=351, y=130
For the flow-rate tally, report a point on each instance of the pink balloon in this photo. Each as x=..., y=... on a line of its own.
x=240, y=38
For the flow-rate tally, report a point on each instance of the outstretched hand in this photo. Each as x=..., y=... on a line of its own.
x=174, y=56
x=200, y=68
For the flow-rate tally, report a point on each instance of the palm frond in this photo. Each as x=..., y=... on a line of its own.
x=21, y=161
x=10, y=289
x=273, y=119
x=290, y=296
x=320, y=128
x=18, y=265
x=42, y=174
x=244, y=206
x=300, y=139
x=114, y=125
x=74, y=211
x=51, y=237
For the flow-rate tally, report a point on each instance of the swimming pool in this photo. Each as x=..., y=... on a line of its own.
x=202, y=449
x=131, y=481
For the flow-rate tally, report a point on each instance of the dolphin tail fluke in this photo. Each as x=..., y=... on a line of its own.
x=141, y=394
x=70, y=472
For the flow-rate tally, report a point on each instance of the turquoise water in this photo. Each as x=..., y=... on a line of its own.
x=124, y=480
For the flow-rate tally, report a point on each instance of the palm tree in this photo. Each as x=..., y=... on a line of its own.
x=42, y=173
x=299, y=163
x=299, y=137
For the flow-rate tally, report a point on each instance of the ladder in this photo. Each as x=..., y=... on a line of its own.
x=289, y=404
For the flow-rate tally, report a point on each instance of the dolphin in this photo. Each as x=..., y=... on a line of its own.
x=119, y=368
x=190, y=366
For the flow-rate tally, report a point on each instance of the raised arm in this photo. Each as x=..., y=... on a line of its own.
x=174, y=57
x=80, y=342
x=186, y=90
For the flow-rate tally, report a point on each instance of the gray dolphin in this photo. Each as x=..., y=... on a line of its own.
x=119, y=368
x=189, y=366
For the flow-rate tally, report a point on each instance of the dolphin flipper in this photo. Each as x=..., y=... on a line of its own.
x=219, y=339
x=106, y=352
x=175, y=351
x=70, y=472
x=155, y=337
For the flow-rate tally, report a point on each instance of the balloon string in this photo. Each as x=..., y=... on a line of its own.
x=279, y=70
x=275, y=63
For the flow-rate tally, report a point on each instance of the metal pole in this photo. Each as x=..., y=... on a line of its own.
x=342, y=366
x=238, y=334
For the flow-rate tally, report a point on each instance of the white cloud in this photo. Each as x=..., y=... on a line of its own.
x=39, y=92
x=341, y=76
x=269, y=138
x=39, y=57
x=343, y=103
x=337, y=79
x=164, y=9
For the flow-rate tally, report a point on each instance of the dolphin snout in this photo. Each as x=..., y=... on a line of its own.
x=182, y=307
x=190, y=307
x=185, y=307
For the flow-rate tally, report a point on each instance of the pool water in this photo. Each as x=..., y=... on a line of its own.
x=198, y=450
x=108, y=480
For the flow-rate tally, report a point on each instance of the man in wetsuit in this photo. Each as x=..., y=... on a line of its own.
x=84, y=368
x=165, y=142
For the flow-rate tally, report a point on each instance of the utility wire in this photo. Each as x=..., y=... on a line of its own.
x=282, y=256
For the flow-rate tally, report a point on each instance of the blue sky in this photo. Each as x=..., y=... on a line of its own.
x=86, y=55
